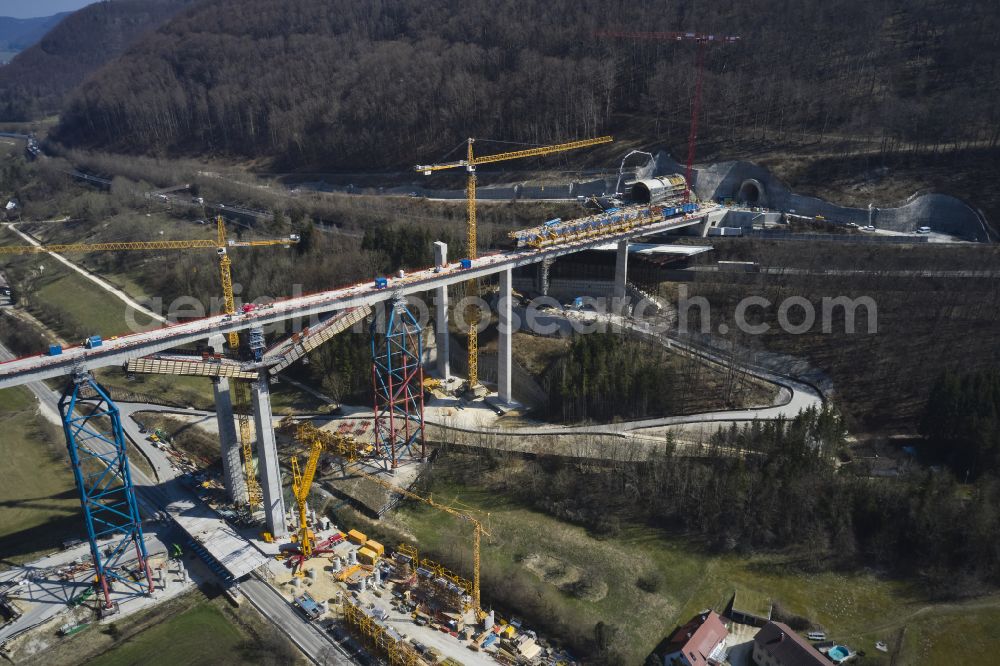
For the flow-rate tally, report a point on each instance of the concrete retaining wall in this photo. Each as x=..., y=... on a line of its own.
x=940, y=212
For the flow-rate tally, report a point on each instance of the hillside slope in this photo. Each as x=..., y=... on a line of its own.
x=340, y=83
x=18, y=34
x=37, y=79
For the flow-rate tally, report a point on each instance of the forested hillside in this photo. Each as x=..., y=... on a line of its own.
x=345, y=84
x=17, y=34
x=36, y=81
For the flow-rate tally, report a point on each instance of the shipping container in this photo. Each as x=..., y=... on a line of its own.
x=381, y=283
x=357, y=537
x=366, y=556
x=375, y=547
x=466, y=263
x=55, y=350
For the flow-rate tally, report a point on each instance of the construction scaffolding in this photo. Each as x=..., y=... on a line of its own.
x=397, y=380
x=383, y=639
x=97, y=449
x=605, y=223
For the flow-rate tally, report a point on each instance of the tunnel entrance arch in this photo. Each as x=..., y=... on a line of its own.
x=752, y=192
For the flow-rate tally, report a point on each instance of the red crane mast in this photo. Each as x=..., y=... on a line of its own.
x=703, y=40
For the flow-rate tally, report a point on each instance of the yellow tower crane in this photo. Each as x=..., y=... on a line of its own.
x=221, y=245
x=470, y=164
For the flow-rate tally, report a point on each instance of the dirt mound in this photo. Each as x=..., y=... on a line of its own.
x=569, y=578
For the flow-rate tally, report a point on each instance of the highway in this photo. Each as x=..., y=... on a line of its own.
x=115, y=352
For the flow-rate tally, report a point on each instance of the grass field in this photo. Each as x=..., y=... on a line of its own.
x=573, y=580
x=199, y=627
x=90, y=307
x=38, y=501
x=199, y=635
x=968, y=634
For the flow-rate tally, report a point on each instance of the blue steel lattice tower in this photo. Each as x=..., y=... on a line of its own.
x=97, y=449
x=397, y=379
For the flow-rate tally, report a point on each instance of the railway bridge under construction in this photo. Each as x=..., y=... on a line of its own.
x=330, y=312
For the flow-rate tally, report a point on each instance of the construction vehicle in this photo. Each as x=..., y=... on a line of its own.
x=82, y=597
x=308, y=606
x=317, y=441
x=431, y=384
x=470, y=164
x=221, y=245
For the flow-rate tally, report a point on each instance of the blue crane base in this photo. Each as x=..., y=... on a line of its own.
x=98, y=452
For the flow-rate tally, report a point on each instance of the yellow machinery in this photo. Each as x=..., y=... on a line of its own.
x=477, y=526
x=220, y=245
x=317, y=441
x=398, y=652
x=470, y=164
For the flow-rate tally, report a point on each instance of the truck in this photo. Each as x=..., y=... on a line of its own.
x=465, y=263
x=381, y=282
x=308, y=606
x=93, y=341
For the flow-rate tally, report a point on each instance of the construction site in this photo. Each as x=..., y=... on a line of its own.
x=262, y=525
x=254, y=519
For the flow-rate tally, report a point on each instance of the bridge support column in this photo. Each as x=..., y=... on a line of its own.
x=543, y=275
x=441, y=337
x=267, y=458
x=621, y=277
x=506, y=334
x=232, y=457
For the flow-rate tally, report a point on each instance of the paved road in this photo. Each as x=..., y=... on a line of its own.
x=309, y=637
x=795, y=396
x=47, y=398
x=845, y=272
x=156, y=494
x=103, y=284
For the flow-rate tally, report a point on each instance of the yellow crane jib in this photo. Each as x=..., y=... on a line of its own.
x=470, y=163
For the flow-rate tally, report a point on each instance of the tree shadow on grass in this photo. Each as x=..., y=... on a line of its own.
x=46, y=537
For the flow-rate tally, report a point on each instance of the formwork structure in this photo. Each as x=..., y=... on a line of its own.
x=397, y=380
x=384, y=639
x=97, y=449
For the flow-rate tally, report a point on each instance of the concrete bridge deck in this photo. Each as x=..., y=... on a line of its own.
x=115, y=352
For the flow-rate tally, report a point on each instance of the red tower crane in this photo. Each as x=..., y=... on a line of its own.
x=703, y=40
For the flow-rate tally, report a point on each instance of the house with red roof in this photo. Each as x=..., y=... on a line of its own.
x=700, y=642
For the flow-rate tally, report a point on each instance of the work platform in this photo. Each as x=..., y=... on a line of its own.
x=214, y=537
x=190, y=366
